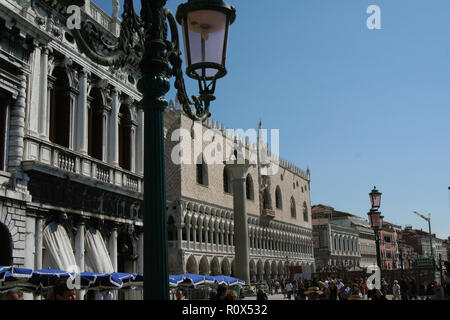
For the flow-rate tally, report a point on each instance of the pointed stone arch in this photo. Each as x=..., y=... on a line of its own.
x=215, y=267
x=192, y=265
x=226, y=267
x=204, y=266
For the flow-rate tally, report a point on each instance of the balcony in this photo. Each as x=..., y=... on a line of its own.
x=55, y=160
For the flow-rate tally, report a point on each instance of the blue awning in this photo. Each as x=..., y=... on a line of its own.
x=11, y=277
x=196, y=279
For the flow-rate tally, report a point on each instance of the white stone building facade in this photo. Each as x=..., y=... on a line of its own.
x=71, y=141
x=201, y=212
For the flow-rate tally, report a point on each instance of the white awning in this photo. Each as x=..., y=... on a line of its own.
x=59, y=254
x=96, y=255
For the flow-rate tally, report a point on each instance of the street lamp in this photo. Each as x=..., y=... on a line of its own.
x=376, y=220
x=143, y=44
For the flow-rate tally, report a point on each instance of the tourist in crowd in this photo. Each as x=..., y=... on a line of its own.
x=212, y=294
x=363, y=288
x=60, y=291
x=14, y=294
x=179, y=294
x=221, y=290
x=404, y=287
x=396, y=291
x=378, y=295
x=412, y=289
x=289, y=290
x=300, y=294
x=231, y=295
x=277, y=286
x=261, y=295
x=332, y=291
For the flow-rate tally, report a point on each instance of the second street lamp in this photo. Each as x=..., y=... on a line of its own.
x=376, y=220
x=143, y=44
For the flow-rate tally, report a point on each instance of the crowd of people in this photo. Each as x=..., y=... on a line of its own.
x=407, y=288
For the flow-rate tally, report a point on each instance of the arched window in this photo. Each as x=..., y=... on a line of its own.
x=202, y=171
x=266, y=200
x=95, y=125
x=305, y=212
x=4, y=101
x=171, y=229
x=293, y=210
x=278, y=199
x=249, y=187
x=125, y=124
x=60, y=108
x=226, y=181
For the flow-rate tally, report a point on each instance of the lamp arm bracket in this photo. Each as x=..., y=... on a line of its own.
x=201, y=103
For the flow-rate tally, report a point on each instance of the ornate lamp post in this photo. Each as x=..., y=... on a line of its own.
x=376, y=220
x=143, y=42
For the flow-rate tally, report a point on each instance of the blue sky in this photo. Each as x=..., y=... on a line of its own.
x=360, y=107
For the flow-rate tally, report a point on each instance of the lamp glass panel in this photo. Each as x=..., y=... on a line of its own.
x=375, y=198
x=206, y=32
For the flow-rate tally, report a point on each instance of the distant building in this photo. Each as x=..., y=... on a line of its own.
x=341, y=239
x=420, y=241
x=388, y=246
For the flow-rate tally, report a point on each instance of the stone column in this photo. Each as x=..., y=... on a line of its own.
x=17, y=125
x=43, y=102
x=79, y=251
x=211, y=238
x=206, y=238
x=133, y=149
x=82, y=117
x=113, y=247
x=180, y=235
x=114, y=129
x=239, y=172
x=140, y=141
x=188, y=235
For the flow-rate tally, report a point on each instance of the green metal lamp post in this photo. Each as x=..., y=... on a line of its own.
x=376, y=220
x=143, y=43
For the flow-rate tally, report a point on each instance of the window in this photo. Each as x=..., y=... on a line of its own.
x=278, y=199
x=387, y=239
x=125, y=124
x=202, y=171
x=226, y=181
x=249, y=187
x=293, y=210
x=266, y=200
x=95, y=125
x=60, y=108
x=305, y=212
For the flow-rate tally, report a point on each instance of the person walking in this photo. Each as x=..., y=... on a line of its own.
x=396, y=291
x=332, y=291
x=289, y=290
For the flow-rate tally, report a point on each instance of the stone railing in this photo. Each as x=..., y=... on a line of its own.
x=64, y=159
x=100, y=16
